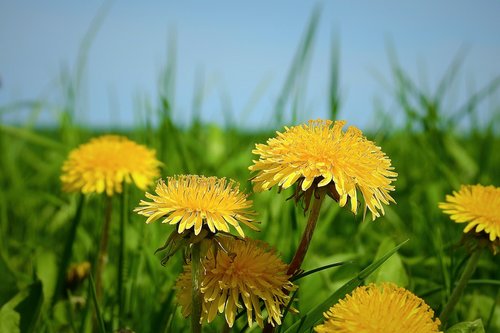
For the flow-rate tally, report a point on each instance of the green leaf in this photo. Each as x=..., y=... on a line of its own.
x=9, y=320
x=393, y=269
x=475, y=326
x=312, y=317
x=30, y=307
x=8, y=286
x=46, y=271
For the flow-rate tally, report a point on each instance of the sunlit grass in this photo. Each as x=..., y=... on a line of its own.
x=431, y=150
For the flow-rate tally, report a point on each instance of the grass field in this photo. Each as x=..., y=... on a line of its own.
x=431, y=150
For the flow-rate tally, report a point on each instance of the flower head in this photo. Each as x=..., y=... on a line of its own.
x=380, y=309
x=321, y=154
x=476, y=205
x=193, y=202
x=104, y=163
x=239, y=276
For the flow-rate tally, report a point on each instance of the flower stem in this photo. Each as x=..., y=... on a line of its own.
x=121, y=256
x=196, y=285
x=68, y=249
x=300, y=254
x=103, y=247
x=462, y=283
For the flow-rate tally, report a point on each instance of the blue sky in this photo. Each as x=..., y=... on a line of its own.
x=240, y=50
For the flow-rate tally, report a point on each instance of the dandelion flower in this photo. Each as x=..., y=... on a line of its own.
x=380, y=309
x=241, y=275
x=321, y=154
x=193, y=202
x=104, y=163
x=476, y=205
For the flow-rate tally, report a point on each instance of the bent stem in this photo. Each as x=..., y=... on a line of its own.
x=462, y=283
x=196, y=285
x=103, y=247
x=300, y=254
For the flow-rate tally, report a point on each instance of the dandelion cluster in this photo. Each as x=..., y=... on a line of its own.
x=104, y=163
x=320, y=154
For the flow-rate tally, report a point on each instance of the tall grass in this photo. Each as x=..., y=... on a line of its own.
x=431, y=150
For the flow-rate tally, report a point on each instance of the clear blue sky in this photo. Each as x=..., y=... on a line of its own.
x=238, y=47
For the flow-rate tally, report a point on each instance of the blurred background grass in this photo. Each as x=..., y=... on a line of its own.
x=434, y=150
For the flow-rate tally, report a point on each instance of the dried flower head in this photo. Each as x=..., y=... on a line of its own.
x=476, y=205
x=380, y=309
x=104, y=163
x=242, y=274
x=194, y=202
x=319, y=154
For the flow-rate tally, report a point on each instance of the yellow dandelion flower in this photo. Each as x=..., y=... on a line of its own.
x=192, y=202
x=321, y=154
x=239, y=276
x=104, y=163
x=476, y=205
x=380, y=309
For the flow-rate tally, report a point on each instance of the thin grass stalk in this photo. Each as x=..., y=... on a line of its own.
x=98, y=314
x=196, y=287
x=492, y=311
x=121, y=255
x=459, y=288
x=103, y=246
x=68, y=250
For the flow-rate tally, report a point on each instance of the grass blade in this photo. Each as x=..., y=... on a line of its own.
x=100, y=321
x=319, y=269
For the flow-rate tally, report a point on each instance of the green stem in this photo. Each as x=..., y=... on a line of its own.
x=459, y=288
x=103, y=247
x=68, y=249
x=300, y=254
x=121, y=256
x=196, y=285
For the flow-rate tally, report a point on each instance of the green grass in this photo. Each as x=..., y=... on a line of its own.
x=431, y=151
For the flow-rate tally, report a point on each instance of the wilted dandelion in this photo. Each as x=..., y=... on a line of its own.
x=194, y=202
x=380, y=309
x=239, y=276
x=104, y=163
x=320, y=154
x=76, y=274
x=476, y=205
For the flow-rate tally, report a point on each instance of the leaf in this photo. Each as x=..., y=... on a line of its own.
x=393, y=270
x=9, y=320
x=30, y=307
x=475, y=326
x=8, y=286
x=46, y=271
x=312, y=317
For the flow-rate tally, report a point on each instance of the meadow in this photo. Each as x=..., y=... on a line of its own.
x=432, y=151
